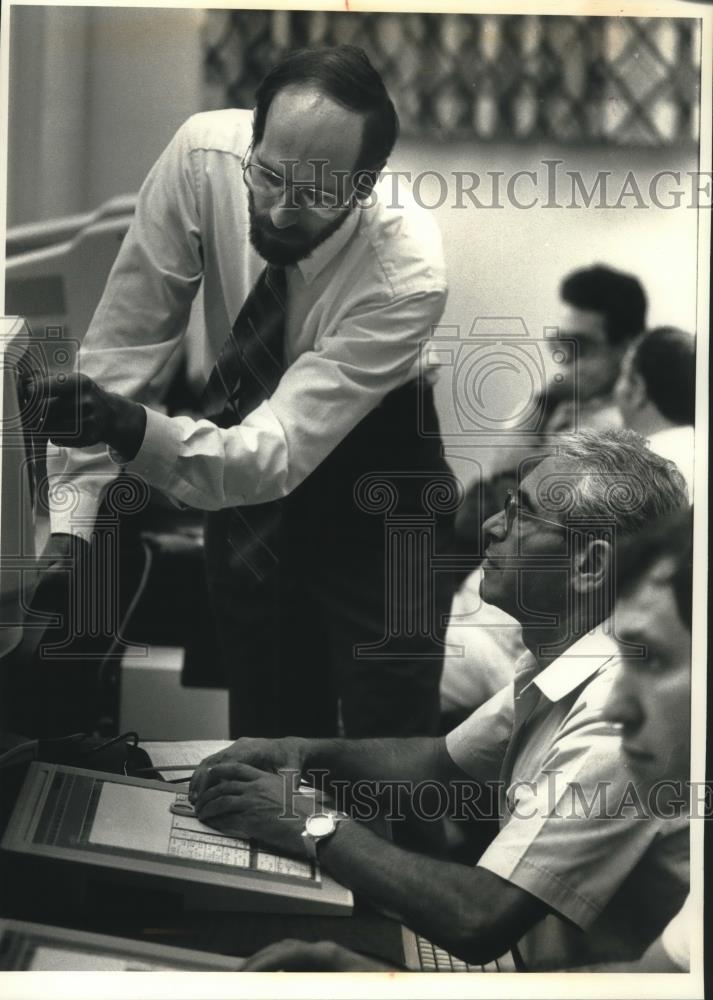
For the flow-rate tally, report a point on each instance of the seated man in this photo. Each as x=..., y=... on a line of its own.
x=651, y=699
x=656, y=394
x=650, y=702
x=563, y=878
x=603, y=311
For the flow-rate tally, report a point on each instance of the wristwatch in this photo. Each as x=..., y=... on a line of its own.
x=319, y=826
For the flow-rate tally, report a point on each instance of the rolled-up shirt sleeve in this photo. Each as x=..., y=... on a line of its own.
x=479, y=744
x=578, y=828
x=320, y=398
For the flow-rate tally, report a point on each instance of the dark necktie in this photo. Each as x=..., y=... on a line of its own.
x=247, y=372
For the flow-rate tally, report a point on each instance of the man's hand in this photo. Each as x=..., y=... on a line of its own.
x=267, y=755
x=303, y=956
x=80, y=413
x=242, y=801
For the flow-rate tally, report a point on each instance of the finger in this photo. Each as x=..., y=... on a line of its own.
x=221, y=806
x=200, y=775
x=231, y=770
x=222, y=788
x=52, y=385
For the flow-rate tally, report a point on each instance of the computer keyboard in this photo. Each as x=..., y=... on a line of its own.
x=199, y=847
x=215, y=848
x=435, y=959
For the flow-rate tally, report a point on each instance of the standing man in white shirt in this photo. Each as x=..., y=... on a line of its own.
x=360, y=280
x=656, y=394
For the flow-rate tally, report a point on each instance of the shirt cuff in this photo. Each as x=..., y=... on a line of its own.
x=73, y=510
x=157, y=455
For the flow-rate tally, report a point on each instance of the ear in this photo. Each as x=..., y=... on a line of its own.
x=638, y=397
x=592, y=565
x=364, y=181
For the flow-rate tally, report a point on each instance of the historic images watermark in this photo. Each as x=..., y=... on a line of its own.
x=551, y=797
x=548, y=184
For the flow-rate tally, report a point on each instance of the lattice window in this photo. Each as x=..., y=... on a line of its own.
x=626, y=81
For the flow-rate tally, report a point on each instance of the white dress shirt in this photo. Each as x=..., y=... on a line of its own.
x=359, y=308
x=676, y=444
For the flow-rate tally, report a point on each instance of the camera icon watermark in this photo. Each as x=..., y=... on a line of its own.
x=503, y=381
x=26, y=359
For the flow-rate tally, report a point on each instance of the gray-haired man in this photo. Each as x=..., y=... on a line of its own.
x=575, y=874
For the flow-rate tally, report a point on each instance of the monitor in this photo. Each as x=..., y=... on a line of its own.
x=30, y=947
x=107, y=826
x=18, y=544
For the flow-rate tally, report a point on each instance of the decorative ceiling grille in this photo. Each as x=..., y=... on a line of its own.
x=624, y=81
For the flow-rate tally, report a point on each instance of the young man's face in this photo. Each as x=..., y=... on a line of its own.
x=651, y=696
x=312, y=145
x=597, y=362
x=526, y=570
x=627, y=394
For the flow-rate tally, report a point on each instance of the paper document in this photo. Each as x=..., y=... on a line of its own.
x=171, y=753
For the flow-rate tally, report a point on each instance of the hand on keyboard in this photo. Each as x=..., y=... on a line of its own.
x=267, y=755
x=243, y=801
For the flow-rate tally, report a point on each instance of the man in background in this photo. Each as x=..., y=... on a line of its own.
x=656, y=394
x=603, y=311
x=650, y=701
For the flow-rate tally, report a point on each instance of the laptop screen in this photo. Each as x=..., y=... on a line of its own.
x=115, y=818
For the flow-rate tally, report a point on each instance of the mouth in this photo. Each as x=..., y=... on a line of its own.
x=489, y=563
x=637, y=754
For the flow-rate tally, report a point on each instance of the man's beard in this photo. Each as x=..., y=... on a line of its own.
x=281, y=246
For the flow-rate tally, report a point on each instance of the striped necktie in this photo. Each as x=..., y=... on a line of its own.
x=247, y=371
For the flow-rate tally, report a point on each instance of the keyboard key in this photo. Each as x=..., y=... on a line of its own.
x=266, y=862
x=289, y=866
x=236, y=858
x=443, y=960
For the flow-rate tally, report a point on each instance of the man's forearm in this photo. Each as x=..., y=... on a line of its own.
x=453, y=905
x=414, y=759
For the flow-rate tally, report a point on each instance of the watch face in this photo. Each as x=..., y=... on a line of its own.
x=318, y=826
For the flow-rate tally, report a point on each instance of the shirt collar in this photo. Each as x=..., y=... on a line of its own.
x=575, y=666
x=311, y=266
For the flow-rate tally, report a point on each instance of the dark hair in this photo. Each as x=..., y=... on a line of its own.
x=666, y=360
x=619, y=297
x=668, y=537
x=345, y=74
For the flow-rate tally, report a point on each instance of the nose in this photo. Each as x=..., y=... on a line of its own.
x=623, y=707
x=282, y=215
x=495, y=528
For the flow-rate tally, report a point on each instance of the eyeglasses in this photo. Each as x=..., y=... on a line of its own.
x=297, y=195
x=512, y=508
